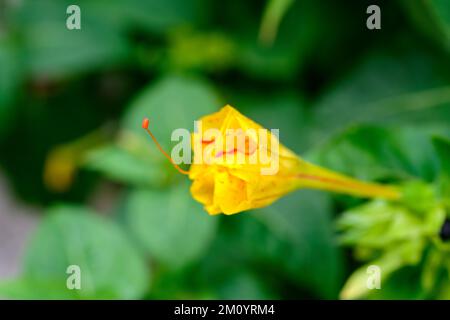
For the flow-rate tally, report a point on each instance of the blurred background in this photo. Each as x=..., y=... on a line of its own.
x=81, y=184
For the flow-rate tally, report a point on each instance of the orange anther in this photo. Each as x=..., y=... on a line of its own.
x=145, y=123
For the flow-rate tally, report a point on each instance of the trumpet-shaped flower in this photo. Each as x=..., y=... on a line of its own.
x=239, y=165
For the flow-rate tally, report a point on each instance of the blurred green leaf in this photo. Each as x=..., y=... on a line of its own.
x=432, y=17
x=378, y=224
x=392, y=236
x=10, y=78
x=442, y=146
x=418, y=196
x=171, y=103
x=273, y=14
x=403, y=284
x=398, y=282
x=284, y=58
x=292, y=238
x=433, y=268
x=123, y=166
x=170, y=225
x=243, y=285
x=218, y=51
x=156, y=16
x=371, y=153
x=307, y=249
x=387, y=89
x=29, y=289
x=356, y=285
x=289, y=115
x=50, y=49
x=110, y=267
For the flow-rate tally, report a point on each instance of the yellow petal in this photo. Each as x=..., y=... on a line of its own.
x=230, y=187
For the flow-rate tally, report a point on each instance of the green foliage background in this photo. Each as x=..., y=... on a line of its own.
x=371, y=104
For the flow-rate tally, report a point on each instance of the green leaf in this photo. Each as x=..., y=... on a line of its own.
x=397, y=282
x=110, y=267
x=293, y=238
x=174, y=102
x=29, y=289
x=62, y=51
x=433, y=267
x=124, y=166
x=170, y=225
x=243, y=285
x=401, y=255
x=387, y=89
x=284, y=57
x=171, y=103
x=218, y=51
x=273, y=14
x=378, y=224
x=103, y=39
x=418, y=196
x=289, y=115
x=10, y=78
x=356, y=285
x=156, y=16
x=301, y=224
x=432, y=17
x=442, y=146
x=403, y=284
x=370, y=153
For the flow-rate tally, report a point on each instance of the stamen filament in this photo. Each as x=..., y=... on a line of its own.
x=145, y=124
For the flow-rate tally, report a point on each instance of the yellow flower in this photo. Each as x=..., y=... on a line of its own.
x=239, y=165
